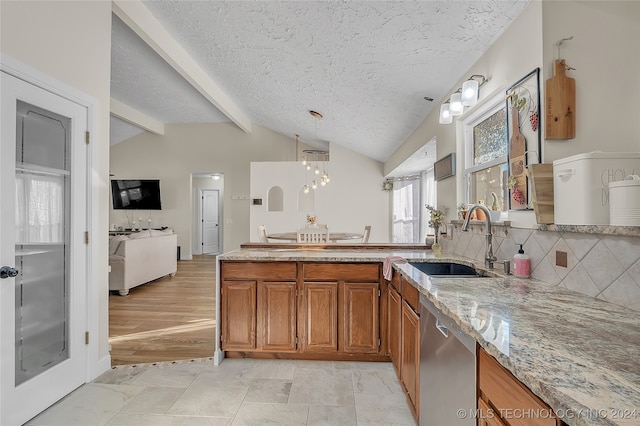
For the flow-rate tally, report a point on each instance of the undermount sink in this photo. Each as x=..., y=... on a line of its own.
x=448, y=270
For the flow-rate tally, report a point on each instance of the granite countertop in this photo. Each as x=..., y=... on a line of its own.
x=579, y=354
x=323, y=255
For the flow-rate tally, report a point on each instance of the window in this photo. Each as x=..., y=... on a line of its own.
x=410, y=217
x=406, y=210
x=486, y=148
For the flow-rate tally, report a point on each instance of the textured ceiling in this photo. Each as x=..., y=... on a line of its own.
x=366, y=66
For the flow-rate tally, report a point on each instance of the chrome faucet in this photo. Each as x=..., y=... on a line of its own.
x=489, y=258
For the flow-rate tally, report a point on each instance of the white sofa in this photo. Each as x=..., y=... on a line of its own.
x=141, y=257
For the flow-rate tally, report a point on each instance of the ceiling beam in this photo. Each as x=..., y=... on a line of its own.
x=137, y=17
x=135, y=117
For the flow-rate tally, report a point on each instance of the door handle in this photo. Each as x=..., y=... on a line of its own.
x=8, y=272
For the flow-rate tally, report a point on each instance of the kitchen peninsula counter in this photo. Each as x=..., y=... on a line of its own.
x=578, y=354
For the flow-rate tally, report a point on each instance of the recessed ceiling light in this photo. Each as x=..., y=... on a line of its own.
x=315, y=114
x=427, y=98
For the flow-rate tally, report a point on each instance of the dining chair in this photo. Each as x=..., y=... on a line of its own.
x=366, y=233
x=313, y=235
x=262, y=234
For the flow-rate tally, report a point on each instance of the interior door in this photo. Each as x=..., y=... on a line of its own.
x=210, y=228
x=43, y=252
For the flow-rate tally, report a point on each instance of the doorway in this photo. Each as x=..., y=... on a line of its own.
x=209, y=221
x=43, y=251
x=207, y=227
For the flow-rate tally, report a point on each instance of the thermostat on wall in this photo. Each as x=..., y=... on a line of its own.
x=257, y=201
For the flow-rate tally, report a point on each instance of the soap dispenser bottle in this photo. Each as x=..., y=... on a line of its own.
x=521, y=264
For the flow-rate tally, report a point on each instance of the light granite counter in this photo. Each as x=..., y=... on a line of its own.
x=579, y=354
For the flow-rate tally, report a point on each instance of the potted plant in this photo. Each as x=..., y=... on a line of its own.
x=462, y=211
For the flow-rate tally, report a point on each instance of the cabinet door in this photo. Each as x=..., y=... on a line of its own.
x=394, y=329
x=319, y=320
x=360, y=318
x=238, y=316
x=410, y=368
x=487, y=417
x=277, y=316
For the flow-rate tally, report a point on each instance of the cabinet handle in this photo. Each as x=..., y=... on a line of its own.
x=442, y=329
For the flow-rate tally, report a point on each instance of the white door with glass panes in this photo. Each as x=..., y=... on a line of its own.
x=43, y=253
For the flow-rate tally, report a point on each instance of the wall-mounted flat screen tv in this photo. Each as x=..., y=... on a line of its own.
x=136, y=194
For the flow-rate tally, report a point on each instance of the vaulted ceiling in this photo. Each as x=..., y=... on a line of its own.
x=365, y=66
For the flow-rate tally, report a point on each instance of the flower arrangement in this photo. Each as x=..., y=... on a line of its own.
x=437, y=217
x=311, y=219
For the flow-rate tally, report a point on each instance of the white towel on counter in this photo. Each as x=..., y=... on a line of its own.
x=387, y=270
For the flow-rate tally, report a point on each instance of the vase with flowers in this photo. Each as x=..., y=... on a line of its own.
x=311, y=221
x=436, y=220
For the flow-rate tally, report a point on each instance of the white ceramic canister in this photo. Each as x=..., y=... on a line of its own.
x=624, y=202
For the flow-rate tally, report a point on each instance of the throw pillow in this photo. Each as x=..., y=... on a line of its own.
x=141, y=234
x=114, y=243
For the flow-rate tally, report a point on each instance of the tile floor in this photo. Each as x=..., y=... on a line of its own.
x=237, y=392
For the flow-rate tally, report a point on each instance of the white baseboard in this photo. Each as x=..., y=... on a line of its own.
x=101, y=367
x=218, y=356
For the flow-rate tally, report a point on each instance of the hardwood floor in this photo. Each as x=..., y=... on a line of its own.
x=167, y=319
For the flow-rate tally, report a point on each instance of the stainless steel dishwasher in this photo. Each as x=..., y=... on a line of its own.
x=447, y=370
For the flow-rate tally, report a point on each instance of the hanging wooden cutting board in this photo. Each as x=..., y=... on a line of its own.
x=560, y=104
x=517, y=148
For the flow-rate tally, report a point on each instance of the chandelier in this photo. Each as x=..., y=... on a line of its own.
x=315, y=161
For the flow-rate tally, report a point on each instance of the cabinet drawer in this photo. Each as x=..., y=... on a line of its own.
x=505, y=392
x=267, y=271
x=411, y=295
x=341, y=271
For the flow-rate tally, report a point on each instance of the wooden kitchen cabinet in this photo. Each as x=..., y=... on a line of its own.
x=305, y=310
x=410, y=355
x=238, y=306
x=277, y=316
x=403, y=334
x=502, y=392
x=486, y=416
x=319, y=322
x=394, y=327
x=258, y=307
x=341, y=303
x=360, y=317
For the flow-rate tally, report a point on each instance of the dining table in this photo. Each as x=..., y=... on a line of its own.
x=333, y=236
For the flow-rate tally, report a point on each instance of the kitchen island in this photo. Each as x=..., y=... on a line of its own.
x=577, y=354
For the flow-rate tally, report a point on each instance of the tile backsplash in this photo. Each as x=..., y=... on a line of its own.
x=603, y=266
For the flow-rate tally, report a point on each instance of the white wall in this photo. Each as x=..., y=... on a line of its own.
x=193, y=148
x=607, y=61
x=517, y=52
x=353, y=199
x=606, y=58
x=71, y=42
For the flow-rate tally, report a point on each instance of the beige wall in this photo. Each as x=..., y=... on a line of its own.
x=354, y=197
x=517, y=52
x=607, y=61
x=606, y=58
x=71, y=42
x=194, y=148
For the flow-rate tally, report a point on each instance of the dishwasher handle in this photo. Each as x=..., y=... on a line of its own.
x=442, y=329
